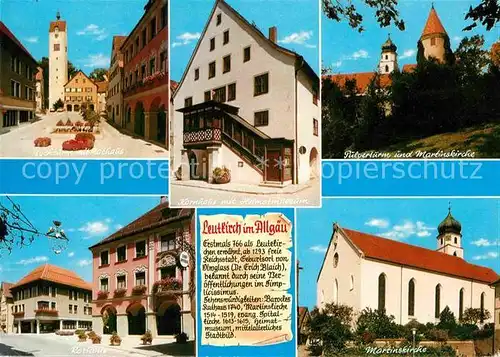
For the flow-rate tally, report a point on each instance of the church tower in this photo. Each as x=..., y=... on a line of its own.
x=389, y=57
x=434, y=41
x=58, y=59
x=449, y=239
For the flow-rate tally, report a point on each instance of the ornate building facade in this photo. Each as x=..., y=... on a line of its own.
x=143, y=275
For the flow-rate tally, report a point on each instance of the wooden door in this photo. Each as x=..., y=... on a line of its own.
x=273, y=171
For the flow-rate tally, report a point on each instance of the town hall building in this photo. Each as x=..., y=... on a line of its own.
x=409, y=282
x=246, y=103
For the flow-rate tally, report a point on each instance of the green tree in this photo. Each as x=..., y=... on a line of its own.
x=475, y=316
x=72, y=70
x=98, y=74
x=329, y=328
x=44, y=65
x=58, y=104
x=486, y=13
x=377, y=323
x=447, y=320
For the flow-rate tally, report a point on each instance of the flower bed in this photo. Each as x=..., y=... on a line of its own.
x=64, y=333
x=42, y=142
x=82, y=141
x=60, y=123
x=120, y=292
x=139, y=289
x=102, y=295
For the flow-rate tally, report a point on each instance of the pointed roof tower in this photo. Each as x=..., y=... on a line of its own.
x=433, y=26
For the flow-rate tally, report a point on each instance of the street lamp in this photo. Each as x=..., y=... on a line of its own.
x=413, y=332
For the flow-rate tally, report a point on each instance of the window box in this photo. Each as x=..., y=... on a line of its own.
x=50, y=312
x=120, y=292
x=139, y=289
x=139, y=258
x=102, y=295
x=167, y=286
x=104, y=266
x=18, y=314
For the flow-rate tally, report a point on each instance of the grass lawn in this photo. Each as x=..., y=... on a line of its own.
x=483, y=140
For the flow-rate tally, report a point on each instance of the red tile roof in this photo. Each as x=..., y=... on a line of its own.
x=362, y=79
x=5, y=31
x=417, y=257
x=158, y=216
x=6, y=289
x=433, y=25
x=102, y=86
x=60, y=24
x=409, y=67
x=54, y=274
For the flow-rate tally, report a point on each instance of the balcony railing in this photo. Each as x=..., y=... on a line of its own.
x=139, y=289
x=148, y=82
x=18, y=314
x=207, y=135
x=49, y=312
x=168, y=286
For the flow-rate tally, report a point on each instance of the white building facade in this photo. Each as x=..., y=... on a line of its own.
x=409, y=282
x=248, y=104
x=114, y=96
x=58, y=60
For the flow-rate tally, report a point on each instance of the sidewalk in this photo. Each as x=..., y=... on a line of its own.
x=244, y=188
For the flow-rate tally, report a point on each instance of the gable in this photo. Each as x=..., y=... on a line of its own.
x=79, y=75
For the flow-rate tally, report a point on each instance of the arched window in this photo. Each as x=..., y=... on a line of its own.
x=437, y=301
x=336, y=292
x=381, y=292
x=351, y=287
x=456, y=240
x=461, y=304
x=454, y=254
x=482, y=307
x=386, y=68
x=411, y=298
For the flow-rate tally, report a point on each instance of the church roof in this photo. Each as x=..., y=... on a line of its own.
x=54, y=274
x=395, y=252
x=433, y=25
x=389, y=46
x=363, y=79
x=449, y=224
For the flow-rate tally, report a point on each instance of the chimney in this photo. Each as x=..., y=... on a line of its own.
x=273, y=34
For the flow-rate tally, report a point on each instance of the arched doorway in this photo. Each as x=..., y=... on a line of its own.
x=91, y=107
x=193, y=165
x=162, y=125
x=76, y=108
x=139, y=119
x=69, y=107
x=108, y=320
x=136, y=314
x=168, y=319
x=313, y=163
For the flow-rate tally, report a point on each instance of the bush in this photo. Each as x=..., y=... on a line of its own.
x=76, y=145
x=69, y=123
x=115, y=339
x=60, y=123
x=82, y=337
x=221, y=175
x=96, y=339
x=378, y=323
x=85, y=136
x=42, y=142
x=147, y=338
x=181, y=338
x=437, y=335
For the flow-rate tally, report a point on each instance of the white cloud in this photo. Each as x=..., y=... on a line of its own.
x=407, y=229
x=118, y=226
x=95, y=228
x=337, y=64
x=186, y=38
x=32, y=39
x=489, y=255
x=39, y=259
x=71, y=254
x=99, y=33
x=318, y=249
x=457, y=38
x=299, y=38
x=407, y=54
x=482, y=242
x=360, y=54
x=84, y=262
x=97, y=60
x=377, y=222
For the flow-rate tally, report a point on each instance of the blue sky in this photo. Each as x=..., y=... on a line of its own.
x=347, y=51
x=86, y=220
x=91, y=26
x=297, y=22
x=412, y=221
